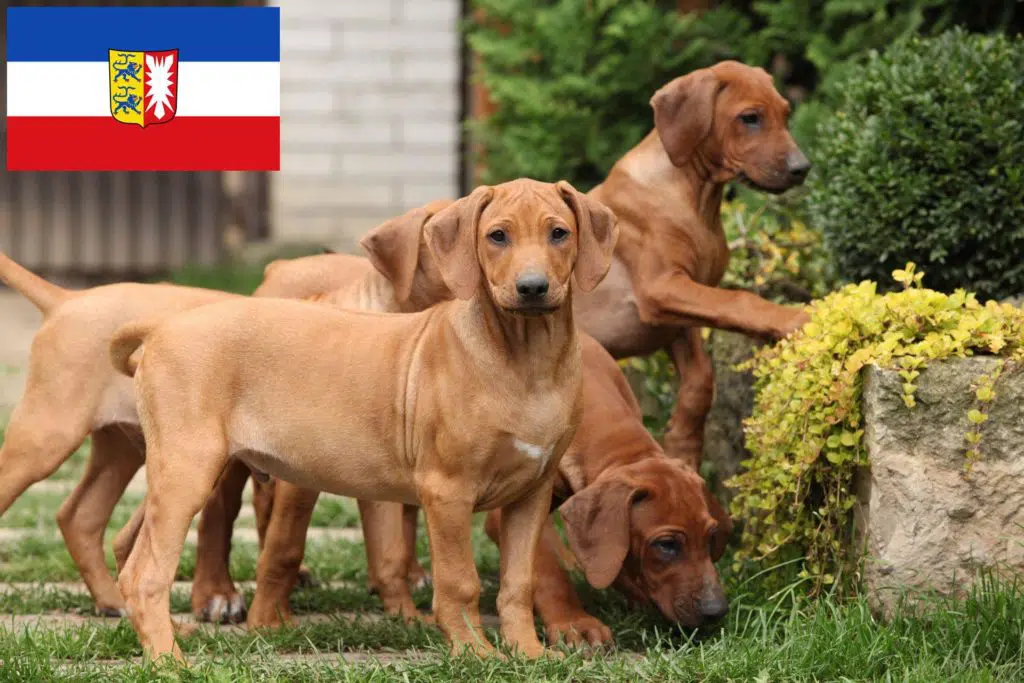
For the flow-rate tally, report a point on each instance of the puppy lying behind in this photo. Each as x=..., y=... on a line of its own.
x=466, y=406
x=633, y=516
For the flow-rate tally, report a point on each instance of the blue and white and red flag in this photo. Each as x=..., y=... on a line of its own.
x=143, y=88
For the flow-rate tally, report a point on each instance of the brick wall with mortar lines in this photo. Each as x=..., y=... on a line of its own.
x=370, y=96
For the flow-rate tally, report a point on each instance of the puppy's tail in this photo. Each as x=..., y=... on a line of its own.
x=45, y=295
x=126, y=342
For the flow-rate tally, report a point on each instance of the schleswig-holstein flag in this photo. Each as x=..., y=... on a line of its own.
x=143, y=89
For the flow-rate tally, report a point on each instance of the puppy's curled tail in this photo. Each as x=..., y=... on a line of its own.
x=126, y=342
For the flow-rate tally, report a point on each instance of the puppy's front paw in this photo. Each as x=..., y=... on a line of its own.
x=795, y=319
x=306, y=578
x=223, y=609
x=113, y=612
x=578, y=630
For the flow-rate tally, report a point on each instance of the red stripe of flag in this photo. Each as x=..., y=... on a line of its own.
x=183, y=144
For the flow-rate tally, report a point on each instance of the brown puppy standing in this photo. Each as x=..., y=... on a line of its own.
x=72, y=391
x=344, y=281
x=466, y=406
x=711, y=126
x=635, y=516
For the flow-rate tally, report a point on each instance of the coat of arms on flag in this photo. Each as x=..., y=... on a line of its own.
x=143, y=86
x=86, y=84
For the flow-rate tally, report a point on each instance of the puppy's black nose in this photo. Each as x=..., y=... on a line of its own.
x=532, y=286
x=797, y=164
x=713, y=608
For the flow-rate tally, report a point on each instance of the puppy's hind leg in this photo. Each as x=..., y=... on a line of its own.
x=214, y=597
x=181, y=471
x=126, y=537
x=83, y=517
x=387, y=555
x=418, y=576
x=284, y=545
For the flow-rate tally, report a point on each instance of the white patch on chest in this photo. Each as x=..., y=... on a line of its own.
x=530, y=450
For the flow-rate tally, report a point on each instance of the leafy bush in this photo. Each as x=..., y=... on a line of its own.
x=924, y=162
x=774, y=254
x=805, y=435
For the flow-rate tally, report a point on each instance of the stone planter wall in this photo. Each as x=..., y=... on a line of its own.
x=927, y=526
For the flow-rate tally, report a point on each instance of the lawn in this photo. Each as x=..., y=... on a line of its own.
x=343, y=635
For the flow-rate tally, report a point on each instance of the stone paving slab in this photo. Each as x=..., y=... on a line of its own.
x=62, y=620
x=240, y=534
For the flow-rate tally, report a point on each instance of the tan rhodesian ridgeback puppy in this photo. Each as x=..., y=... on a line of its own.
x=463, y=407
x=71, y=391
x=661, y=557
x=710, y=127
x=344, y=281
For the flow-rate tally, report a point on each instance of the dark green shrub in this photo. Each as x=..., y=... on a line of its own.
x=924, y=162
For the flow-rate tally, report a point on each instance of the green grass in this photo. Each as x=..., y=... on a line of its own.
x=771, y=634
x=976, y=640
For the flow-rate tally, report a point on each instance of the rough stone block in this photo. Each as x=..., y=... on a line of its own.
x=724, y=440
x=927, y=525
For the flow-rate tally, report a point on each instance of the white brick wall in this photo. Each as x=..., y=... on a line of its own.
x=369, y=114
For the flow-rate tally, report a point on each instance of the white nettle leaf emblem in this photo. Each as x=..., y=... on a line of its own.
x=161, y=73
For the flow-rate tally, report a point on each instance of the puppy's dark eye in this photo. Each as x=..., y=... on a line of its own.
x=498, y=237
x=668, y=548
x=751, y=119
x=559, y=234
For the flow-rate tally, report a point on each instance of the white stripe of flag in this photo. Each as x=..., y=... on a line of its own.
x=71, y=89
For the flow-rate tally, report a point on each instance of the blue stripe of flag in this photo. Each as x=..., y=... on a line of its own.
x=201, y=34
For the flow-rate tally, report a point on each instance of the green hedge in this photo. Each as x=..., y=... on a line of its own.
x=924, y=162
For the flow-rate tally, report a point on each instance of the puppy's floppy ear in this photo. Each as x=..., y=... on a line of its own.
x=451, y=237
x=394, y=248
x=598, y=231
x=720, y=539
x=684, y=109
x=597, y=524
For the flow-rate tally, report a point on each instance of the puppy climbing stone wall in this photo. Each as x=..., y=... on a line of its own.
x=370, y=95
x=927, y=525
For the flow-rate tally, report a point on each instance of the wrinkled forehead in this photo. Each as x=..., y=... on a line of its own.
x=678, y=500
x=749, y=86
x=527, y=203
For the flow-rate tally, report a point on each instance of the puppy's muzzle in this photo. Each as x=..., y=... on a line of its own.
x=798, y=166
x=532, y=291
